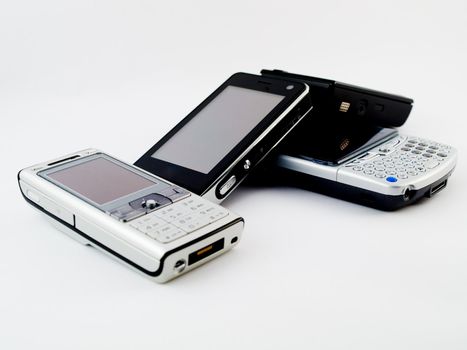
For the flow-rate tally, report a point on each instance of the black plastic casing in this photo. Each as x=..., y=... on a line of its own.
x=272, y=176
x=365, y=106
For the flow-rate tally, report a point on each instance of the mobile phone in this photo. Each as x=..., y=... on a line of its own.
x=340, y=102
x=215, y=147
x=142, y=220
x=390, y=172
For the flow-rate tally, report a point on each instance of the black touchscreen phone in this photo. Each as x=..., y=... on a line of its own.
x=215, y=147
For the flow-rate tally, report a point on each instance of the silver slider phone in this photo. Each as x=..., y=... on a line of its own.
x=388, y=171
x=153, y=226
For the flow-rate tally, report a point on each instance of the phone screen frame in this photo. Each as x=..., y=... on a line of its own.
x=158, y=184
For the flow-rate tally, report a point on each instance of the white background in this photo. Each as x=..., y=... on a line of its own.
x=311, y=271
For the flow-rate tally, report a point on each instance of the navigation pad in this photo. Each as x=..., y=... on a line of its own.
x=149, y=203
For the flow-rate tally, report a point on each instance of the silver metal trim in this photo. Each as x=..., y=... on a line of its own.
x=228, y=185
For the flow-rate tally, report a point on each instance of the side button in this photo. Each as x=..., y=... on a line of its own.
x=33, y=196
x=57, y=210
x=228, y=185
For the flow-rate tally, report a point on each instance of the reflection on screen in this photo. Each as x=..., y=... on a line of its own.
x=100, y=180
x=207, y=138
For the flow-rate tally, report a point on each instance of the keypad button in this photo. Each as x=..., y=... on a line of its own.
x=427, y=155
x=368, y=165
x=391, y=179
x=357, y=168
x=212, y=215
x=154, y=234
x=173, y=212
x=169, y=233
x=431, y=164
x=380, y=175
x=191, y=223
x=430, y=151
x=402, y=176
x=443, y=155
x=420, y=148
x=405, y=149
x=175, y=221
x=416, y=152
x=148, y=222
x=195, y=206
x=369, y=171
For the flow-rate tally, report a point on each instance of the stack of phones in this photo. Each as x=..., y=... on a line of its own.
x=161, y=216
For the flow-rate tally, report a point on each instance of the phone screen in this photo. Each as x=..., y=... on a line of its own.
x=205, y=140
x=100, y=180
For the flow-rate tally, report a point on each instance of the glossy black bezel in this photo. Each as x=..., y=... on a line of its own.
x=198, y=182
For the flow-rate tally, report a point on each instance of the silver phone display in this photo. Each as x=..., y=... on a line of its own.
x=158, y=228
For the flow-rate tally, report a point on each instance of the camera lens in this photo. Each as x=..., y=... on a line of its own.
x=289, y=87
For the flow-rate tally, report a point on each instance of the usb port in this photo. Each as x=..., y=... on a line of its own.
x=438, y=187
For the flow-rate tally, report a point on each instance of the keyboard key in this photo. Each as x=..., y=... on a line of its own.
x=431, y=164
x=169, y=233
